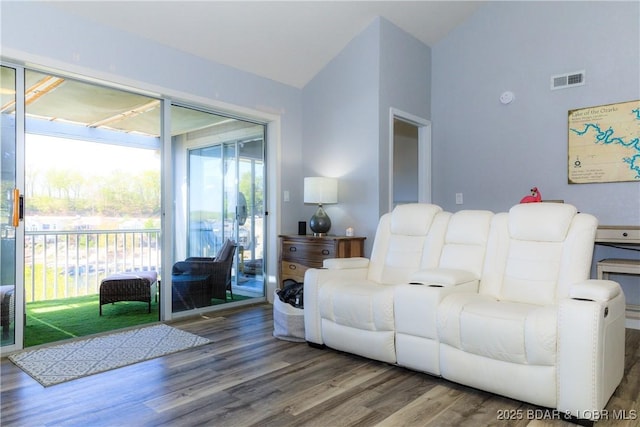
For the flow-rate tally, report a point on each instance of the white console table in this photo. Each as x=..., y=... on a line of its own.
x=628, y=234
x=619, y=235
x=617, y=265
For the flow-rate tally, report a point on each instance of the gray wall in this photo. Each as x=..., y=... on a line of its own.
x=340, y=132
x=494, y=153
x=405, y=84
x=346, y=121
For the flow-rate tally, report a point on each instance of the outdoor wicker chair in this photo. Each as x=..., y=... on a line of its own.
x=7, y=308
x=217, y=270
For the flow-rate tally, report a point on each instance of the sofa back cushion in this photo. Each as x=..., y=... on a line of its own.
x=401, y=239
x=465, y=242
x=541, y=222
x=537, y=251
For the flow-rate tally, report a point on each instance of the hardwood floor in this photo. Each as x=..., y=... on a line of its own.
x=248, y=378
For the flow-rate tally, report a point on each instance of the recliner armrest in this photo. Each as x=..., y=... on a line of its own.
x=314, y=279
x=345, y=263
x=595, y=290
x=591, y=341
x=443, y=277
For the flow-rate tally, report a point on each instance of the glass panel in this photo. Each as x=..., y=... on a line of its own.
x=8, y=184
x=218, y=169
x=206, y=219
x=92, y=206
x=251, y=224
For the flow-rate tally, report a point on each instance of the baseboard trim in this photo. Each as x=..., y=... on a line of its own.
x=632, y=323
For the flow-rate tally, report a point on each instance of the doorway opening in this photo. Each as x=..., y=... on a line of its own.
x=409, y=159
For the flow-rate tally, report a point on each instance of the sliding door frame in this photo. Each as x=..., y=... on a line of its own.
x=19, y=141
x=272, y=156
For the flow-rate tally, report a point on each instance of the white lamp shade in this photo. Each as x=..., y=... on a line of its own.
x=320, y=190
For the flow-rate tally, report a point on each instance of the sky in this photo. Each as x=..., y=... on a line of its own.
x=90, y=158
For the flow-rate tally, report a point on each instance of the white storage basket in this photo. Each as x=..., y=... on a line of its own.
x=288, y=321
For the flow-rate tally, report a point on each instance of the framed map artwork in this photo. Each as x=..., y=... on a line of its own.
x=604, y=143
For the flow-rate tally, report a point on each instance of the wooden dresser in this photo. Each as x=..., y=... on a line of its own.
x=300, y=253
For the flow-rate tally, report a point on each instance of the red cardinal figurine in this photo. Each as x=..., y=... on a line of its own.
x=533, y=198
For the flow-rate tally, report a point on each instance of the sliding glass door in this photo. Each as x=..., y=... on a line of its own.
x=220, y=170
x=9, y=207
x=91, y=161
x=92, y=205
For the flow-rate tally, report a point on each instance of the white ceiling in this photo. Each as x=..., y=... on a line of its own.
x=286, y=41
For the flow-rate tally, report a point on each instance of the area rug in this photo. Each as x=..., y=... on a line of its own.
x=76, y=359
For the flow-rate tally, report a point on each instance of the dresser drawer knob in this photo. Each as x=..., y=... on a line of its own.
x=293, y=249
x=325, y=252
x=625, y=234
x=292, y=267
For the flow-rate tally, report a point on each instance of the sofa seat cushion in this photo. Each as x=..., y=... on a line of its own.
x=507, y=331
x=359, y=304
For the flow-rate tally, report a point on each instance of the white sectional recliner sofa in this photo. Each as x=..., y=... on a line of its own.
x=500, y=302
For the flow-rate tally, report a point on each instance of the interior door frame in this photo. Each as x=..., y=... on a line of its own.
x=424, y=153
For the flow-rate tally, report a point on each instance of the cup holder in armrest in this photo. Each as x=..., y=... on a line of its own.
x=431, y=286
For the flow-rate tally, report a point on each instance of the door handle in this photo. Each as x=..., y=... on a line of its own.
x=18, y=208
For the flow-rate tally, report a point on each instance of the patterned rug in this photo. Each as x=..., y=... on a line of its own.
x=69, y=361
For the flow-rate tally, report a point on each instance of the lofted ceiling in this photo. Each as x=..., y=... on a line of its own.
x=286, y=41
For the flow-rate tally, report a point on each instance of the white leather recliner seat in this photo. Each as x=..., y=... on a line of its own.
x=538, y=329
x=349, y=305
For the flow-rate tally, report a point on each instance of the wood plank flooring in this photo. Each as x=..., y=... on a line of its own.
x=248, y=378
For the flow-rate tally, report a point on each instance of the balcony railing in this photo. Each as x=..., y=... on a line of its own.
x=64, y=264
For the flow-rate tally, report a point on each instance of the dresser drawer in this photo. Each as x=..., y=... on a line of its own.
x=618, y=234
x=292, y=270
x=311, y=254
x=298, y=253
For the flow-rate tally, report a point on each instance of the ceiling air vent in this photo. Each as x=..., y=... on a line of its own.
x=563, y=81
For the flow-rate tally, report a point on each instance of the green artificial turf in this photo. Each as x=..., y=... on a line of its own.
x=55, y=320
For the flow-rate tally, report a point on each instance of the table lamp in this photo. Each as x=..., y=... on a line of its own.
x=320, y=190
